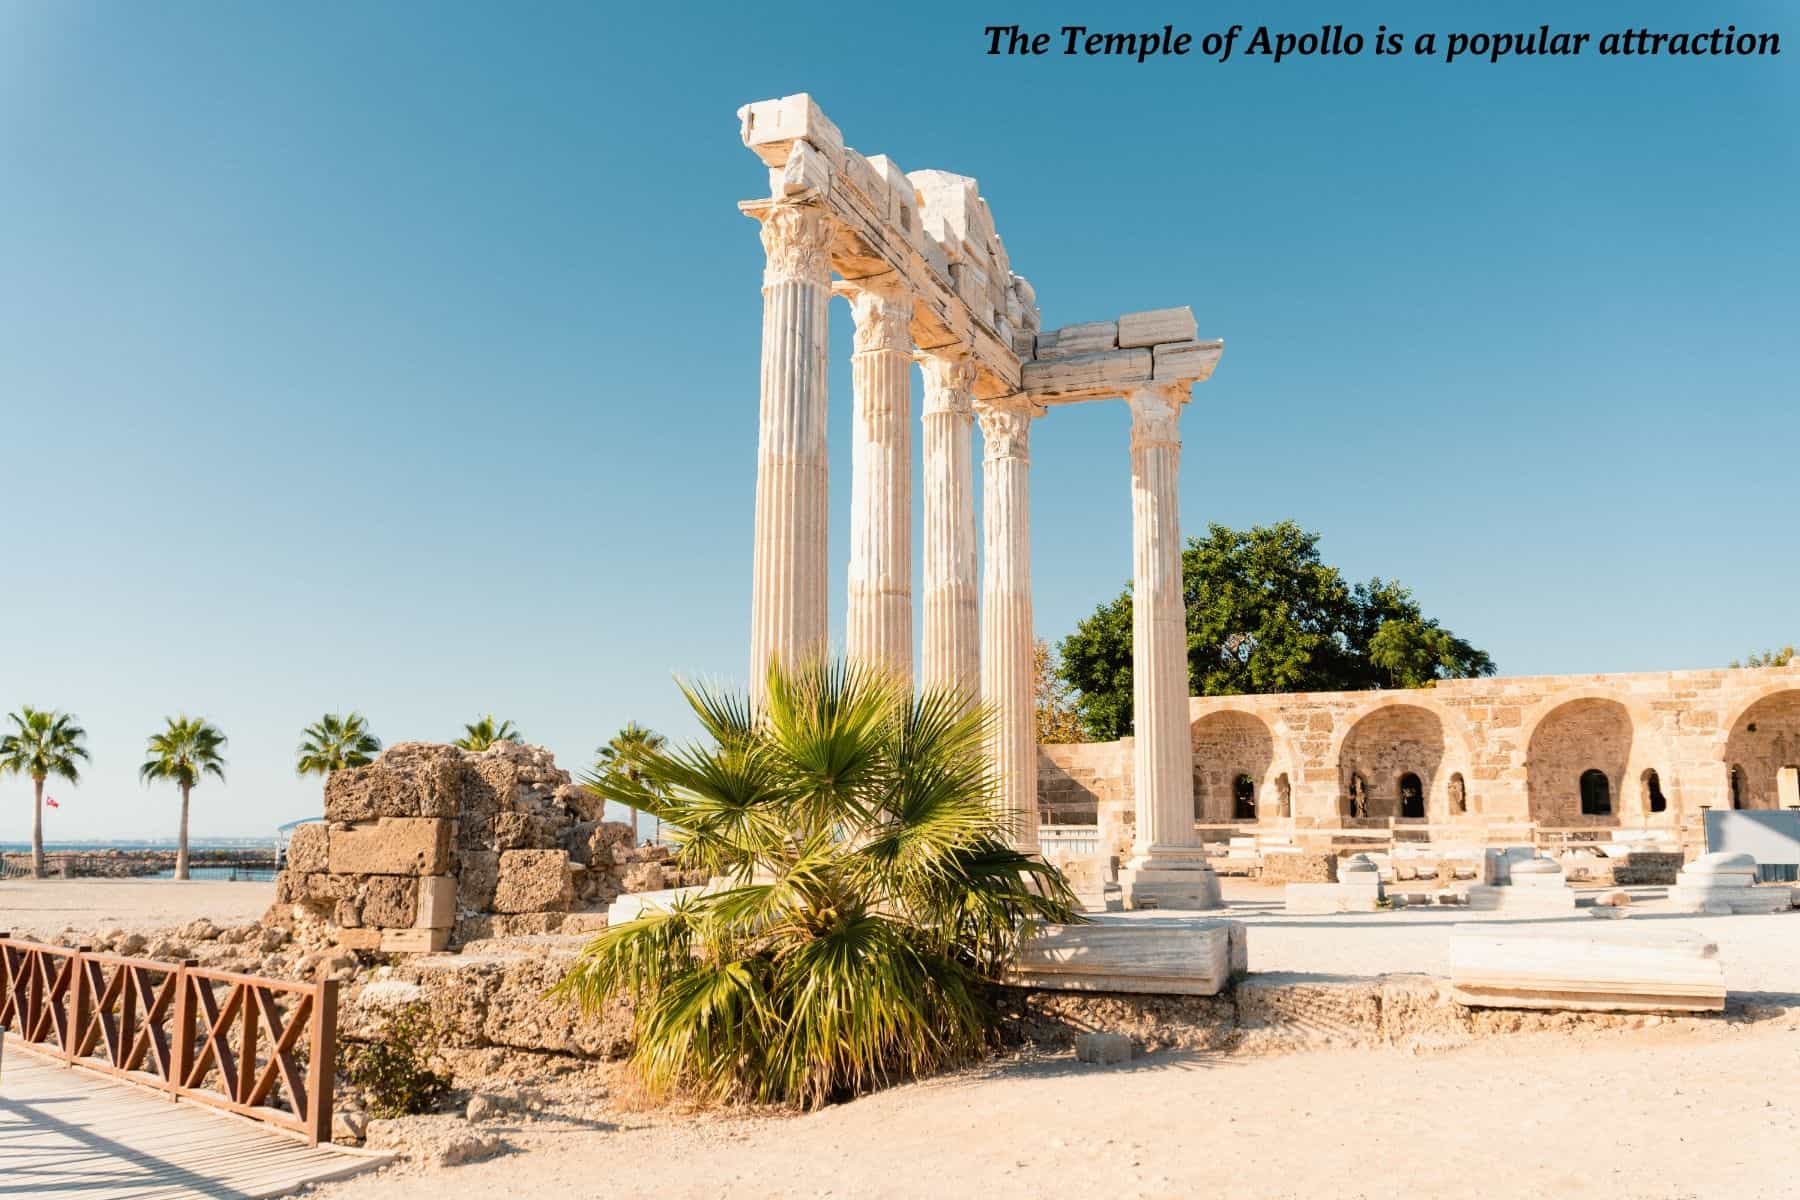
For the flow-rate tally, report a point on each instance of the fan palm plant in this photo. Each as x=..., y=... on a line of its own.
x=333, y=743
x=486, y=732
x=625, y=754
x=872, y=896
x=43, y=743
x=185, y=751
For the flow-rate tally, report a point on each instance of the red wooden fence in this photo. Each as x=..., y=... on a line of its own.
x=262, y=1048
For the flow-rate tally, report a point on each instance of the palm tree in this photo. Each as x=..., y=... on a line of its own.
x=486, y=732
x=43, y=743
x=332, y=743
x=871, y=899
x=626, y=754
x=185, y=751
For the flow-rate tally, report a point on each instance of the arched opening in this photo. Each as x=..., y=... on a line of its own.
x=1243, y=799
x=1763, y=741
x=1596, y=793
x=1592, y=734
x=1459, y=795
x=1228, y=746
x=1412, y=796
x=1654, y=800
x=1391, y=744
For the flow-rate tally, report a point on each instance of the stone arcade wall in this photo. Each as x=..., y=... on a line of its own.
x=1482, y=749
x=431, y=845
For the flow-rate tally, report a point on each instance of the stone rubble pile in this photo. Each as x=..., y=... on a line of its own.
x=430, y=846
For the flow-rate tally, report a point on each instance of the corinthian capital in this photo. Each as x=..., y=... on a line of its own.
x=1156, y=417
x=1005, y=429
x=949, y=374
x=796, y=238
x=882, y=309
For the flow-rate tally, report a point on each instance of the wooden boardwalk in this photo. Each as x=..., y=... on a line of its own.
x=70, y=1133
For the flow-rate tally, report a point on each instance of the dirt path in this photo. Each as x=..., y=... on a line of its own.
x=1651, y=1114
x=41, y=908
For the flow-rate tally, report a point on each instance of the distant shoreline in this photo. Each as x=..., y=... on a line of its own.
x=101, y=846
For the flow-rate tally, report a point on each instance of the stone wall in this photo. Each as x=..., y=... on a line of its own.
x=431, y=845
x=1483, y=750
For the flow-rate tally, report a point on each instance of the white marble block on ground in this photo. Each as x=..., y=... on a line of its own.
x=1604, y=968
x=1725, y=883
x=1537, y=886
x=632, y=905
x=1166, y=956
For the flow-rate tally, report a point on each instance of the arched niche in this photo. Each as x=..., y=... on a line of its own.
x=1228, y=746
x=1592, y=734
x=1763, y=740
x=1385, y=747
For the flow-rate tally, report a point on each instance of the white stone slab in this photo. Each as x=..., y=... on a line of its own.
x=632, y=905
x=1085, y=375
x=1319, y=899
x=1090, y=338
x=1189, y=361
x=769, y=127
x=1165, y=956
x=1603, y=968
x=1157, y=325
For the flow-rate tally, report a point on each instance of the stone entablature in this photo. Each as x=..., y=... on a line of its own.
x=1666, y=744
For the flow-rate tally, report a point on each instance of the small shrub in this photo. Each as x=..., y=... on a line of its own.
x=396, y=1072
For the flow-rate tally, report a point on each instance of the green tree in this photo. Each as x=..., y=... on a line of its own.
x=43, y=743
x=1266, y=614
x=335, y=742
x=626, y=754
x=486, y=732
x=1767, y=658
x=872, y=894
x=186, y=751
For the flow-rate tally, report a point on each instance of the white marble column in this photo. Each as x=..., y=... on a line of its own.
x=1006, y=631
x=788, y=619
x=878, y=628
x=951, y=651
x=1168, y=866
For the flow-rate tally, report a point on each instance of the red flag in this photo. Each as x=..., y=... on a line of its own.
x=51, y=801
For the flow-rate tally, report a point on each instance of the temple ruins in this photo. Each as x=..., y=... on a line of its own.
x=928, y=280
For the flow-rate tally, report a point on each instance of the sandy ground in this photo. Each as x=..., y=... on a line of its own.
x=1650, y=1114
x=44, y=907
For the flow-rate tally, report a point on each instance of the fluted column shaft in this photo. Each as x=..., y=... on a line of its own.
x=1163, y=752
x=1168, y=867
x=1006, y=630
x=951, y=651
x=878, y=628
x=788, y=618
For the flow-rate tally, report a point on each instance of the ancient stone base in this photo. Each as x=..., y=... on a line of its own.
x=1185, y=888
x=1614, y=970
x=1724, y=883
x=1176, y=957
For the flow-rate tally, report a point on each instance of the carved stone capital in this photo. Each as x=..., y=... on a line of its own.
x=882, y=309
x=796, y=239
x=949, y=374
x=1155, y=417
x=1005, y=430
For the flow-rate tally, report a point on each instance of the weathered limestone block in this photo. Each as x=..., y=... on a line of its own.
x=533, y=881
x=411, y=779
x=437, y=902
x=480, y=876
x=390, y=901
x=393, y=846
x=1300, y=866
x=321, y=886
x=1174, y=956
x=1609, y=969
x=1187, y=361
x=771, y=127
x=413, y=941
x=644, y=877
x=1086, y=374
x=525, y=831
x=1089, y=338
x=1103, y=1048
x=1157, y=325
x=307, y=848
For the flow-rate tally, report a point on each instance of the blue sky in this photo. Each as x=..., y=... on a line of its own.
x=403, y=357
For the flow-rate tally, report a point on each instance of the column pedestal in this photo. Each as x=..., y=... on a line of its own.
x=1168, y=868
